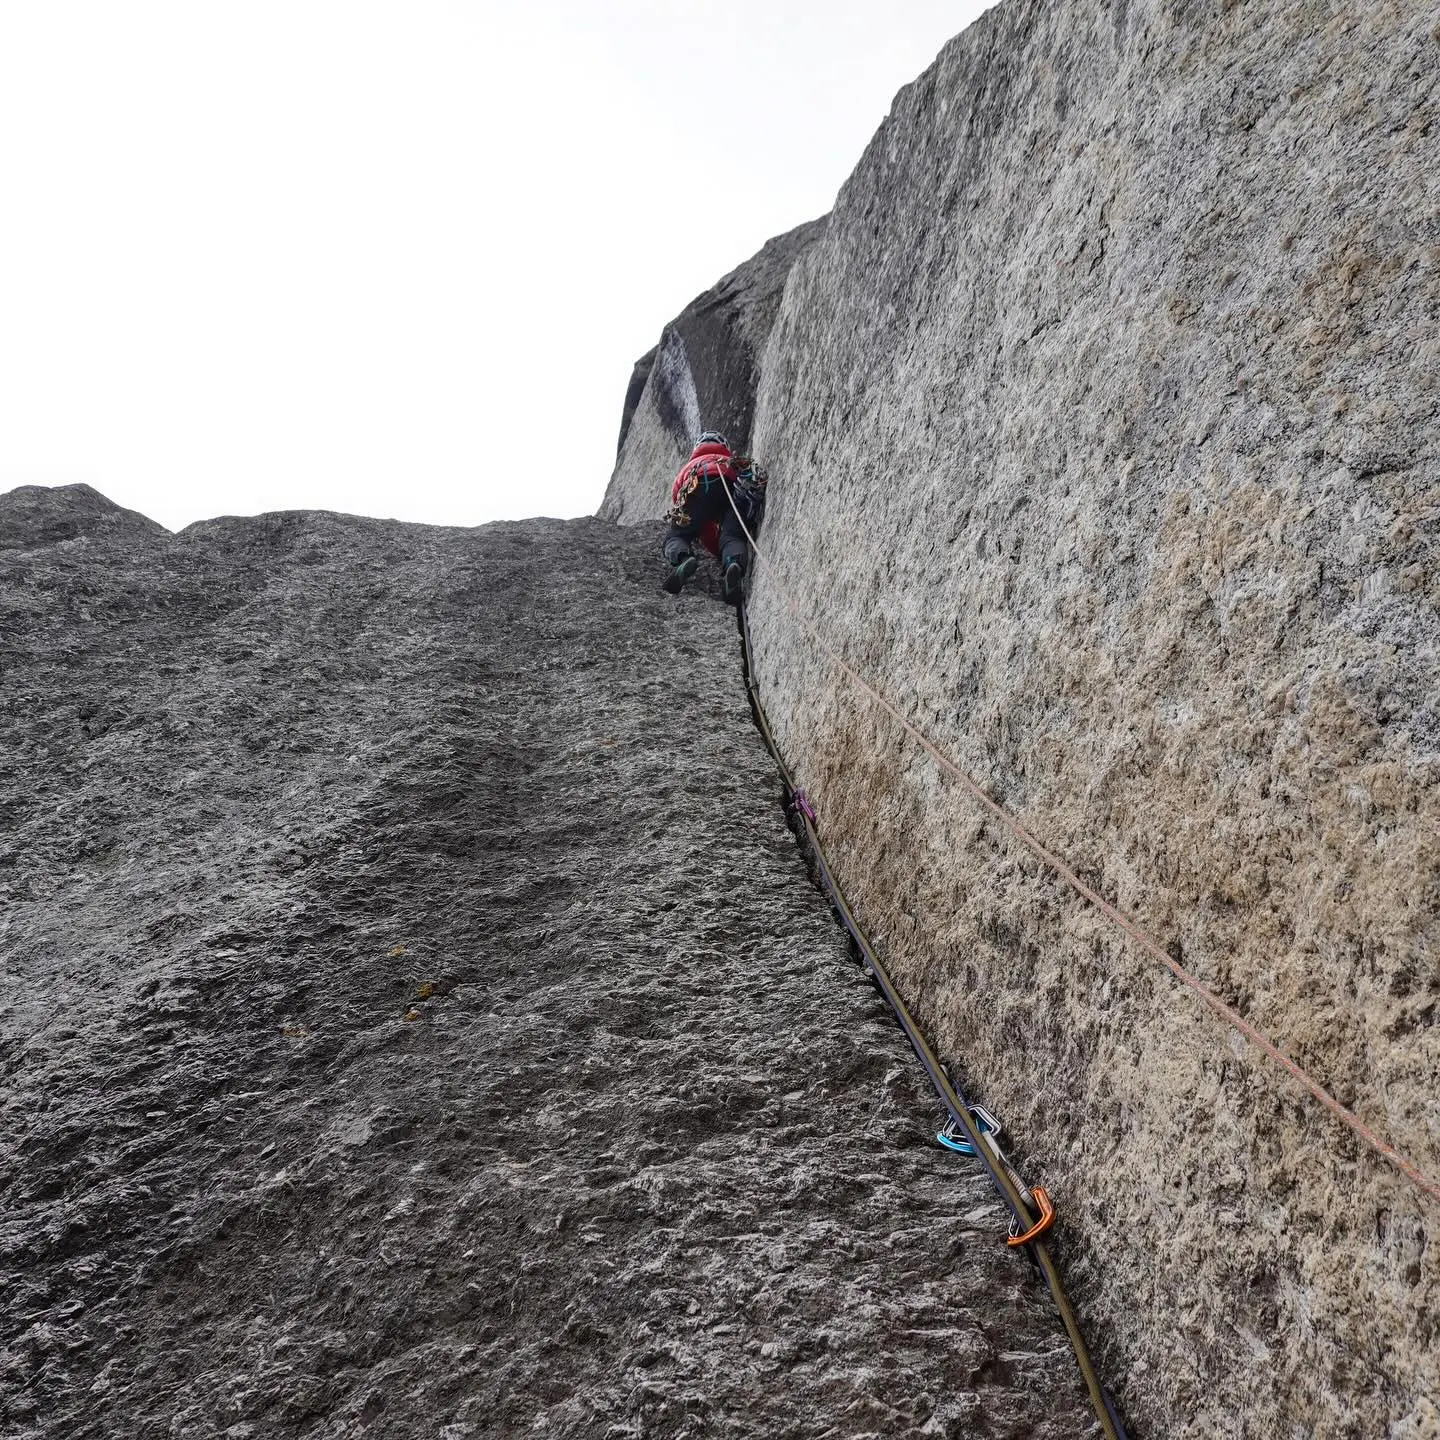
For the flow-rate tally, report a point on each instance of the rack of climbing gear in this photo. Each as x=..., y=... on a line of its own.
x=1032, y=1213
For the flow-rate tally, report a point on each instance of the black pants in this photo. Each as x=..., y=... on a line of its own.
x=707, y=502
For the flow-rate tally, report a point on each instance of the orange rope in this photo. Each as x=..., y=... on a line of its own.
x=1132, y=928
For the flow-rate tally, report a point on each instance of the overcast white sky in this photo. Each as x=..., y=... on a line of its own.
x=393, y=258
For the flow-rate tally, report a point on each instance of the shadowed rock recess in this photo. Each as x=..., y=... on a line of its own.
x=702, y=375
x=1102, y=426
x=417, y=1020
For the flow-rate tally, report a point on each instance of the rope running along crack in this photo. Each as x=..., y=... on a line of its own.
x=1011, y=1188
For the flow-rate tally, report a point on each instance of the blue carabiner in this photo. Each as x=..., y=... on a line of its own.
x=953, y=1138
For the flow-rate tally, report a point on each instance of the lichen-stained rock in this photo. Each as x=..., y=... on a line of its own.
x=701, y=375
x=417, y=1021
x=1102, y=426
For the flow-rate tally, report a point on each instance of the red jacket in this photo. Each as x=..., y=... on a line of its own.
x=704, y=460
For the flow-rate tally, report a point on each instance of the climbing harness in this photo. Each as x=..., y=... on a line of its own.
x=1031, y=1212
x=1141, y=937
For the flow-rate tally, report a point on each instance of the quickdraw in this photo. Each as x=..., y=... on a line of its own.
x=957, y=1141
x=990, y=1130
x=800, y=805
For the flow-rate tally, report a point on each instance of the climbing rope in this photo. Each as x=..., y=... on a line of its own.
x=977, y=1125
x=1129, y=926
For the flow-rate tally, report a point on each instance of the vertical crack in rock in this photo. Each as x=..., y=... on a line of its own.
x=417, y=1021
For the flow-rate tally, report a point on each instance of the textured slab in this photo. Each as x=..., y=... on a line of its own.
x=417, y=1020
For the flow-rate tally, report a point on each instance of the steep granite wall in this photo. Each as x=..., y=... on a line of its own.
x=1102, y=427
x=702, y=375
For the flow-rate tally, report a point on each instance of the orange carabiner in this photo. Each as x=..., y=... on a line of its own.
x=1046, y=1220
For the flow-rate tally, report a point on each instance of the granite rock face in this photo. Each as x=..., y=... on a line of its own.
x=33, y=515
x=408, y=1030
x=1102, y=427
x=702, y=375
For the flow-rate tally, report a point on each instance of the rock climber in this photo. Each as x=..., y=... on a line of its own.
x=700, y=510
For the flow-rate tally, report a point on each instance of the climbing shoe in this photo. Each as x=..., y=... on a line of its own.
x=674, y=582
x=732, y=587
